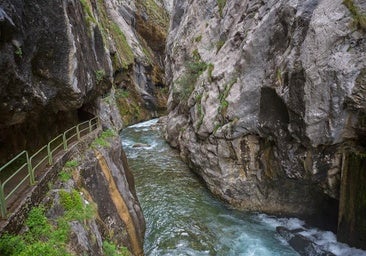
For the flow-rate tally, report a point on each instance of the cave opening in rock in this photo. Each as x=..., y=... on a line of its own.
x=84, y=114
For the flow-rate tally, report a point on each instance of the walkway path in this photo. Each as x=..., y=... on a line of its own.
x=18, y=177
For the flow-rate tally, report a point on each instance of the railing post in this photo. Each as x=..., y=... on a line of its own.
x=64, y=141
x=90, y=125
x=31, y=173
x=2, y=201
x=49, y=154
x=78, y=132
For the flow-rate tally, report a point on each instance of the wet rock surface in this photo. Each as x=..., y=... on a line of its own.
x=304, y=246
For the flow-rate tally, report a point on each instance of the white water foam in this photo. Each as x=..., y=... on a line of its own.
x=289, y=223
x=145, y=124
x=326, y=240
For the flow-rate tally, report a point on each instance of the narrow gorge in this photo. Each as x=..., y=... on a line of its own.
x=264, y=101
x=267, y=106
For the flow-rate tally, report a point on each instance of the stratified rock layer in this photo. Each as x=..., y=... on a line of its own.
x=264, y=97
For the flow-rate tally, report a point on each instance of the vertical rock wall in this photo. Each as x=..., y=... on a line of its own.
x=48, y=71
x=58, y=57
x=109, y=182
x=352, y=208
x=265, y=96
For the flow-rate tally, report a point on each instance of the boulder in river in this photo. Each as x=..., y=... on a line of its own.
x=300, y=243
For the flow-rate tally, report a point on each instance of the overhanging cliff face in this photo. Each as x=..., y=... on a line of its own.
x=264, y=96
x=49, y=65
x=57, y=58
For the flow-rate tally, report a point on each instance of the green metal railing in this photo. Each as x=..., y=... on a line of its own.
x=27, y=170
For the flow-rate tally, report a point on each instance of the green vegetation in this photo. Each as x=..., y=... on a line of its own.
x=187, y=81
x=110, y=249
x=44, y=237
x=99, y=75
x=120, y=93
x=222, y=97
x=19, y=52
x=359, y=19
x=41, y=238
x=64, y=176
x=101, y=140
x=198, y=39
x=121, y=41
x=124, y=56
x=74, y=206
x=279, y=76
x=196, y=56
x=221, y=4
x=156, y=13
x=219, y=45
x=217, y=126
x=72, y=164
x=66, y=173
x=129, y=106
x=89, y=19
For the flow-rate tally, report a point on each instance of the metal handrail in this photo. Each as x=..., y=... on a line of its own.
x=67, y=136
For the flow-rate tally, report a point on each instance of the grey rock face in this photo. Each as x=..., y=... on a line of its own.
x=280, y=93
x=57, y=58
x=48, y=70
x=104, y=182
x=110, y=183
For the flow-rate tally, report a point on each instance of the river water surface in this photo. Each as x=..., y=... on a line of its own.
x=182, y=217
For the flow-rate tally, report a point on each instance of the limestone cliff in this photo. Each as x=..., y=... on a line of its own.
x=89, y=208
x=63, y=62
x=267, y=99
x=58, y=57
x=107, y=181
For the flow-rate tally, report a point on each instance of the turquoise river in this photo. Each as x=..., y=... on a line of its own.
x=183, y=218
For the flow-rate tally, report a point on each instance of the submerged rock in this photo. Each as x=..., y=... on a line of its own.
x=300, y=243
x=140, y=145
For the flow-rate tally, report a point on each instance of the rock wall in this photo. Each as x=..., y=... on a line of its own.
x=63, y=62
x=88, y=197
x=57, y=58
x=266, y=97
x=105, y=176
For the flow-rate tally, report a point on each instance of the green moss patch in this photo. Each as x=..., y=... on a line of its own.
x=102, y=139
x=359, y=19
